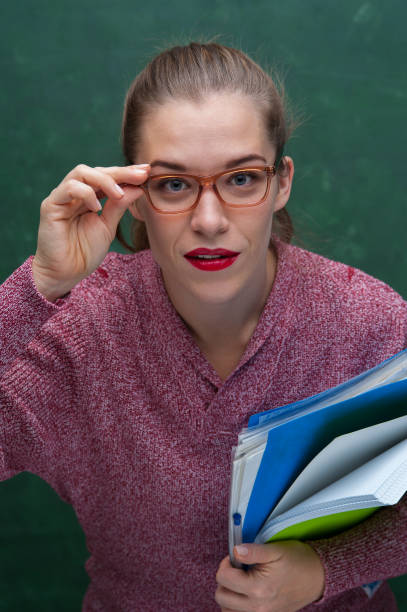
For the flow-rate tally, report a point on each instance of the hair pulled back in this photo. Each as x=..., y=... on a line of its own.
x=192, y=72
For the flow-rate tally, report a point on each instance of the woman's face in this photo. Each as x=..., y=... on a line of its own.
x=204, y=138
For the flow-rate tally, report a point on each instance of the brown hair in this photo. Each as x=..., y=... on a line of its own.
x=190, y=72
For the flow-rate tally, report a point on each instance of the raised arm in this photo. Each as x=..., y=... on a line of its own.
x=73, y=238
x=41, y=367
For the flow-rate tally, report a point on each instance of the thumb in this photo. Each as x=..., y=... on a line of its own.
x=114, y=210
x=257, y=553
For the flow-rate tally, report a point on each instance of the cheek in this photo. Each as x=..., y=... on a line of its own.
x=256, y=224
x=164, y=233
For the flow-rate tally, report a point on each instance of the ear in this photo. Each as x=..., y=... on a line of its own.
x=285, y=180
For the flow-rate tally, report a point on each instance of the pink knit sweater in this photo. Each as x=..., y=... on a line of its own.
x=106, y=396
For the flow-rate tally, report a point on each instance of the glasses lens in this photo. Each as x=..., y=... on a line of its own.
x=242, y=186
x=172, y=193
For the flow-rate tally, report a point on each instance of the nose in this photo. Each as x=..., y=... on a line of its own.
x=209, y=216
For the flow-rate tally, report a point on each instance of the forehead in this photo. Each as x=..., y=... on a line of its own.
x=204, y=134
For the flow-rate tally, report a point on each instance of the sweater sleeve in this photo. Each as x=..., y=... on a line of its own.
x=22, y=313
x=40, y=377
x=376, y=549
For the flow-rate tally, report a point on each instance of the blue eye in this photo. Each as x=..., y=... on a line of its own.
x=243, y=179
x=174, y=185
x=240, y=179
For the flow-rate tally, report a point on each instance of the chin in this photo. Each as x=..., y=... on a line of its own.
x=216, y=292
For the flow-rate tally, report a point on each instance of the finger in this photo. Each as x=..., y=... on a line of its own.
x=73, y=192
x=231, y=578
x=128, y=176
x=113, y=211
x=230, y=600
x=259, y=553
x=113, y=170
x=239, y=583
x=103, y=183
x=108, y=182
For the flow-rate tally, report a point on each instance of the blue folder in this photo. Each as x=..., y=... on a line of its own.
x=292, y=444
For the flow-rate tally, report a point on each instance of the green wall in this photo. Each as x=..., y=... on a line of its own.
x=65, y=67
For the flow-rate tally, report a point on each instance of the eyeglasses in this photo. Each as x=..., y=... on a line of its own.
x=171, y=194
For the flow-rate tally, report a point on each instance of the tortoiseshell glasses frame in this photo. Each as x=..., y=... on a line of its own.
x=209, y=181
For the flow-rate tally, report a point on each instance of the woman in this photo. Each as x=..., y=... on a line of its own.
x=125, y=379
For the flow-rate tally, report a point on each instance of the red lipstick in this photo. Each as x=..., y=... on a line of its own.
x=211, y=260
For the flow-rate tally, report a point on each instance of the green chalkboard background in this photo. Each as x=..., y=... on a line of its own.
x=65, y=67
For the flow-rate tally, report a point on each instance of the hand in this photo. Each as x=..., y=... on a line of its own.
x=287, y=576
x=73, y=238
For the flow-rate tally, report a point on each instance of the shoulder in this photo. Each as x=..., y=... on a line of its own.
x=341, y=283
x=117, y=292
x=110, y=303
x=117, y=277
x=356, y=306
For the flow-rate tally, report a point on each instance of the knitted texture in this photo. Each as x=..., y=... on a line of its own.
x=106, y=396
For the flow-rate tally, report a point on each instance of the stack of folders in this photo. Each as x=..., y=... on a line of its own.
x=319, y=466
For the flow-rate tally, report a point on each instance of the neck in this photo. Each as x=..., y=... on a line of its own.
x=223, y=330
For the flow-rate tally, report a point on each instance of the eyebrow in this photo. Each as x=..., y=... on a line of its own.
x=231, y=164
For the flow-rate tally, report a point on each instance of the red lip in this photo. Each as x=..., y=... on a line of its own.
x=219, y=258
x=203, y=251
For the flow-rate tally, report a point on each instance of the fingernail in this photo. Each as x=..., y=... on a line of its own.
x=119, y=189
x=144, y=165
x=242, y=551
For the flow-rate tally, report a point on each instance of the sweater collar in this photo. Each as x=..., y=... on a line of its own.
x=277, y=312
x=180, y=346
